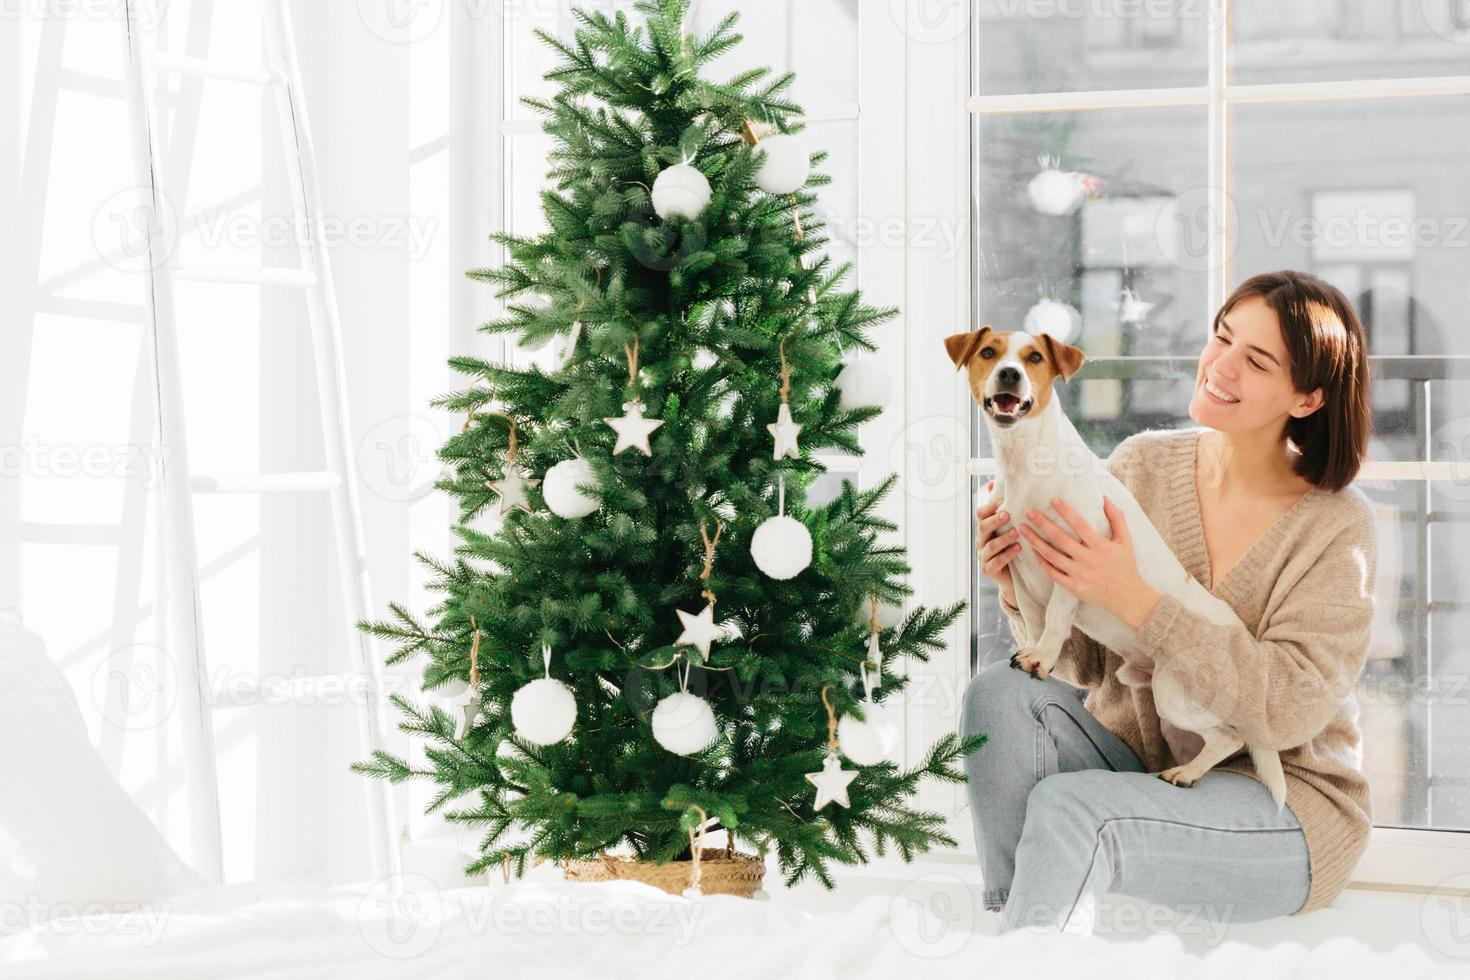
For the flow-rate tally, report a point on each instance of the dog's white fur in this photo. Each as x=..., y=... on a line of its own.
x=1041, y=456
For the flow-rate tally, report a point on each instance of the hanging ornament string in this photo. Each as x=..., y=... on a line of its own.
x=709, y=557
x=785, y=373
x=831, y=780
x=831, y=720
x=632, y=428
x=475, y=652
x=785, y=429
x=470, y=704
x=694, y=848
x=510, y=449
x=632, y=351
x=512, y=485
x=875, y=648
x=700, y=630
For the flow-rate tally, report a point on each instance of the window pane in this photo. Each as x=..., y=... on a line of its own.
x=1369, y=195
x=1060, y=46
x=817, y=39
x=1054, y=259
x=837, y=203
x=1386, y=219
x=1412, y=700
x=1334, y=40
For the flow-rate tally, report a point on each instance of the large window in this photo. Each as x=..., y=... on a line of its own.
x=1133, y=162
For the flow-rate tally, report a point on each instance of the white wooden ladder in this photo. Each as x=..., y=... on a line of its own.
x=180, y=604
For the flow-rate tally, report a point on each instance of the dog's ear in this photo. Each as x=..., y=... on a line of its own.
x=1066, y=357
x=962, y=346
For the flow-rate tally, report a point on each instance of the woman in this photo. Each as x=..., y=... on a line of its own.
x=1066, y=797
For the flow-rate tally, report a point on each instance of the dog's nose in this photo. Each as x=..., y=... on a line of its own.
x=1008, y=376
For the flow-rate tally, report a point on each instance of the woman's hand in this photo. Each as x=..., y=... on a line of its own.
x=997, y=543
x=1099, y=570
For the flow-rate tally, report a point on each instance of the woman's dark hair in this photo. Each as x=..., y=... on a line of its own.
x=1327, y=349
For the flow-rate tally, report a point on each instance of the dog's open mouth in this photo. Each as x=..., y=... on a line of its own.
x=1006, y=407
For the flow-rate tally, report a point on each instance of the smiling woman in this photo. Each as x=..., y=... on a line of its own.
x=1278, y=344
x=1071, y=800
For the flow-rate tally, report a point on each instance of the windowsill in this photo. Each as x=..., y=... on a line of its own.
x=1420, y=860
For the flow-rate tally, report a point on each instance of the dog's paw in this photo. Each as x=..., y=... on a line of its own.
x=1029, y=660
x=1179, y=776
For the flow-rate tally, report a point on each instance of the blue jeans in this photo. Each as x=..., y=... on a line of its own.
x=1065, y=813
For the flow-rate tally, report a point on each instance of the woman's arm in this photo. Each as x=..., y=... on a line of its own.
x=1281, y=690
x=1083, y=661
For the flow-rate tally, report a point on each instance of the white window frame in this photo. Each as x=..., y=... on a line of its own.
x=1395, y=857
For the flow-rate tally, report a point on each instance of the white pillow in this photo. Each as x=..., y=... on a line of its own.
x=69, y=836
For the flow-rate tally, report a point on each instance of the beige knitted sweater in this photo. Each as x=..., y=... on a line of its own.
x=1305, y=590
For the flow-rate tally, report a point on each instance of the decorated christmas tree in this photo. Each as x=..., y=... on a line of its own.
x=659, y=632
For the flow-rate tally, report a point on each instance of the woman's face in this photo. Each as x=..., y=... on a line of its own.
x=1246, y=359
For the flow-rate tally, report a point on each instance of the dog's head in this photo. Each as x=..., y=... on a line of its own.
x=1011, y=372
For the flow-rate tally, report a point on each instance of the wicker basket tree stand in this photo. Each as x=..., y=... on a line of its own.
x=712, y=871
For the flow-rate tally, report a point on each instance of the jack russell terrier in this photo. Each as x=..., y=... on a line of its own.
x=1039, y=456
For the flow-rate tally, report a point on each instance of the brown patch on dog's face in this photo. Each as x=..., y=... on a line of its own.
x=1011, y=372
x=1066, y=358
x=963, y=347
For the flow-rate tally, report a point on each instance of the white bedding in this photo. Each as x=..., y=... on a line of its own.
x=615, y=929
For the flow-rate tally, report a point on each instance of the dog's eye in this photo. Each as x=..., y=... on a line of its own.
x=987, y=352
x=1035, y=357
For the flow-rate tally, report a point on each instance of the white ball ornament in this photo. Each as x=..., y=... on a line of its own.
x=684, y=723
x=559, y=488
x=863, y=382
x=1055, y=192
x=1049, y=316
x=781, y=547
x=680, y=191
x=785, y=165
x=543, y=711
x=871, y=740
